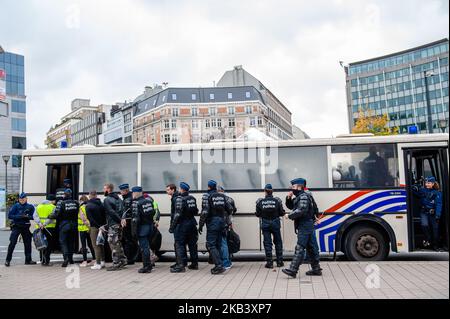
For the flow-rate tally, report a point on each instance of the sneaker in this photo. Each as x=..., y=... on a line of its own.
x=177, y=269
x=103, y=264
x=30, y=262
x=145, y=270
x=289, y=272
x=91, y=263
x=228, y=267
x=49, y=264
x=217, y=270
x=84, y=263
x=97, y=267
x=7, y=263
x=114, y=267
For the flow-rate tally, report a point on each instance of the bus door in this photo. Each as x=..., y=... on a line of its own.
x=56, y=173
x=419, y=163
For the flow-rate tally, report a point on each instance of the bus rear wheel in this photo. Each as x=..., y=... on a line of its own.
x=364, y=243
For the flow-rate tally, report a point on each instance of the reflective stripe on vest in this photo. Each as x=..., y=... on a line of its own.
x=81, y=225
x=43, y=211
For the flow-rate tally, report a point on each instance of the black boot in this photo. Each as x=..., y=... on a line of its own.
x=30, y=262
x=7, y=263
x=269, y=264
x=280, y=263
x=177, y=269
x=145, y=270
x=193, y=266
x=295, y=263
x=65, y=262
x=289, y=272
x=315, y=270
x=217, y=270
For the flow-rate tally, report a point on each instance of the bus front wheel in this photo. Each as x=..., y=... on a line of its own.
x=364, y=243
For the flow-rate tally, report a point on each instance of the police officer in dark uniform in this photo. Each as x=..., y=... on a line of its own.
x=270, y=209
x=20, y=214
x=143, y=225
x=303, y=216
x=66, y=212
x=130, y=246
x=215, y=209
x=67, y=184
x=184, y=227
x=171, y=190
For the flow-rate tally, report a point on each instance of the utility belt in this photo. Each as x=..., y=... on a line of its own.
x=270, y=218
x=217, y=214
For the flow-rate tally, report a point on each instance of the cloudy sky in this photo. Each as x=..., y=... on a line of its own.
x=109, y=50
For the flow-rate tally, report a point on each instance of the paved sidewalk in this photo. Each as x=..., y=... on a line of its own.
x=407, y=279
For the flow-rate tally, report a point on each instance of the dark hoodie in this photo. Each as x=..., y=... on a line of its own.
x=113, y=209
x=95, y=212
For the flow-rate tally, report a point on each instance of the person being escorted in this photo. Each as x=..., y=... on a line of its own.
x=20, y=215
x=96, y=215
x=303, y=216
x=227, y=264
x=114, y=210
x=40, y=216
x=430, y=211
x=171, y=190
x=215, y=209
x=130, y=245
x=143, y=225
x=66, y=212
x=270, y=209
x=84, y=228
x=184, y=227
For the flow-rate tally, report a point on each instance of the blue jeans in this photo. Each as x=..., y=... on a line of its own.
x=186, y=234
x=225, y=254
x=430, y=227
x=272, y=227
x=215, y=226
x=144, y=237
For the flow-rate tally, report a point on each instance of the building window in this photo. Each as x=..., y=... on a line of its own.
x=194, y=96
x=19, y=142
x=175, y=112
x=174, y=123
x=18, y=125
x=164, y=98
x=166, y=124
x=260, y=122
x=231, y=110
x=213, y=122
x=16, y=161
x=231, y=123
x=174, y=97
x=211, y=96
x=247, y=94
x=212, y=111
x=194, y=111
x=252, y=121
x=219, y=122
x=167, y=138
x=194, y=124
x=230, y=95
x=18, y=106
x=174, y=138
x=248, y=109
x=207, y=123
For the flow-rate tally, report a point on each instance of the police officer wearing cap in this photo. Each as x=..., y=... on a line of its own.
x=130, y=245
x=142, y=224
x=20, y=215
x=270, y=209
x=171, y=190
x=184, y=227
x=66, y=212
x=67, y=183
x=40, y=216
x=430, y=211
x=301, y=204
x=215, y=209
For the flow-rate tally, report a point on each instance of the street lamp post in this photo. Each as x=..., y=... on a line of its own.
x=6, y=160
x=427, y=96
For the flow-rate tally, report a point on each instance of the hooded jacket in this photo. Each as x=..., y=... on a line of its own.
x=95, y=212
x=113, y=209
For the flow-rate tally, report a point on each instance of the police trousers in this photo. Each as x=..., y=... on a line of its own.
x=26, y=236
x=269, y=228
x=306, y=241
x=145, y=233
x=186, y=234
x=214, y=232
x=130, y=244
x=67, y=237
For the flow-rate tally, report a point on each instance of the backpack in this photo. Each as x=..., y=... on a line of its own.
x=155, y=243
x=234, y=242
x=40, y=241
x=314, y=208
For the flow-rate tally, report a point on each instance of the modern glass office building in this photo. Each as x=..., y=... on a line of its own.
x=13, y=121
x=410, y=86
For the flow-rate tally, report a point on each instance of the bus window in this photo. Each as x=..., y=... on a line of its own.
x=234, y=169
x=355, y=166
x=291, y=162
x=109, y=168
x=162, y=168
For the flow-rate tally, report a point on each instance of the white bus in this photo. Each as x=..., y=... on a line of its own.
x=365, y=215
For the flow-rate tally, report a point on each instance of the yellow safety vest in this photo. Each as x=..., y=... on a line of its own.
x=43, y=211
x=81, y=225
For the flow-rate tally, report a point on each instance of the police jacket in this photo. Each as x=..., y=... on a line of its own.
x=66, y=210
x=301, y=206
x=269, y=207
x=214, y=204
x=185, y=208
x=21, y=214
x=430, y=200
x=127, y=205
x=95, y=212
x=143, y=211
x=173, y=200
x=232, y=204
x=113, y=209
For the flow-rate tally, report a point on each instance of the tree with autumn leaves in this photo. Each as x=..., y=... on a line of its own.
x=368, y=122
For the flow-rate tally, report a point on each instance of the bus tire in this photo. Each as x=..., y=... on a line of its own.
x=365, y=243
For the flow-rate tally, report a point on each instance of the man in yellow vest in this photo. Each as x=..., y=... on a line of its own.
x=40, y=216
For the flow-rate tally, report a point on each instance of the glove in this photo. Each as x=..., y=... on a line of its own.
x=171, y=230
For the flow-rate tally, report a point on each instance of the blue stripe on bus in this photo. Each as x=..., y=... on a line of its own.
x=325, y=232
x=329, y=221
x=400, y=208
x=383, y=203
x=371, y=198
x=331, y=242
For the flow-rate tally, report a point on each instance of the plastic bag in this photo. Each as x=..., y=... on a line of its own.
x=40, y=241
x=100, y=237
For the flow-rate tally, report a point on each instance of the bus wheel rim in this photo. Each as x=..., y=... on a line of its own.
x=367, y=245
